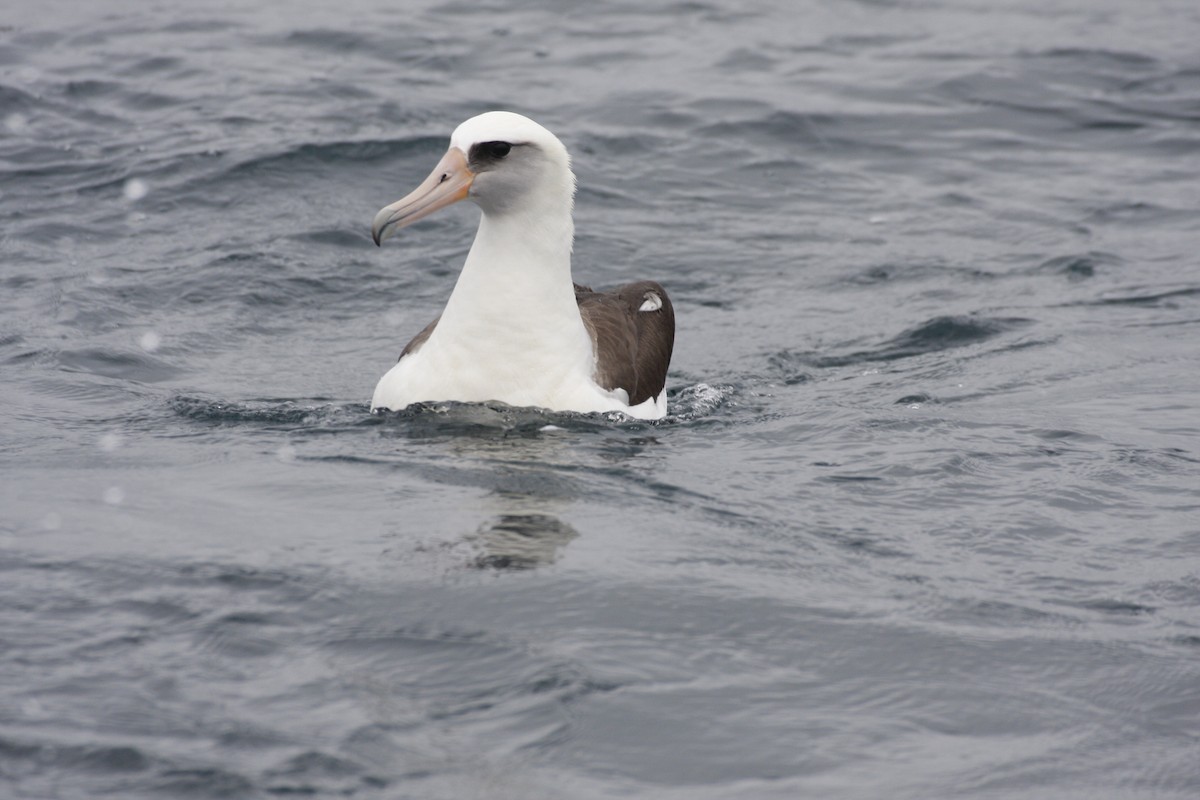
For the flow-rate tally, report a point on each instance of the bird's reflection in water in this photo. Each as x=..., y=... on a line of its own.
x=520, y=541
x=535, y=466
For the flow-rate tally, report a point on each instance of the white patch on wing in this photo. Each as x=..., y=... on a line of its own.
x=652, y=302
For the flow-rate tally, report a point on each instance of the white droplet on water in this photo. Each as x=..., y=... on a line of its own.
x=136, y=189
x=109, y=442
x=150, y=341
x=114, y=495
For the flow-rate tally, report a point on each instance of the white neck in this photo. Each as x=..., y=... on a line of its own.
x=511, y=330
x=516, y=282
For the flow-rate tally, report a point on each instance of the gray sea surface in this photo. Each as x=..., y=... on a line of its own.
x=924, y=519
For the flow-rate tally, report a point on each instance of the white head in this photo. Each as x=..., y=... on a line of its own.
x=508, y=164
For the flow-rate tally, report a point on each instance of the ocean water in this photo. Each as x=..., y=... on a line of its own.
x=924, y=519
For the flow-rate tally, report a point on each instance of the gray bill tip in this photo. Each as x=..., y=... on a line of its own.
x=383, y=225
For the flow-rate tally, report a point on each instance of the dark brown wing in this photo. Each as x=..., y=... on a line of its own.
x=633, y=328
x=419, y=339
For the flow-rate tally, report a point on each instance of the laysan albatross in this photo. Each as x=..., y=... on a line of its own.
x=516, y=329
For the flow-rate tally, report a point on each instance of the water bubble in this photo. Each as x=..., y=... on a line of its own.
x=286, y=454
x=136, y=189
x=109, y=442
x=52, y=521
x=150, y=341
x=114, y=495
x=16, y=123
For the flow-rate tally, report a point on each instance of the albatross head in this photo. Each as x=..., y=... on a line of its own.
x=506, y=163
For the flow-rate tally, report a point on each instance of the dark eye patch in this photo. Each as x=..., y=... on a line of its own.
x=485, y=152
x=497, y=149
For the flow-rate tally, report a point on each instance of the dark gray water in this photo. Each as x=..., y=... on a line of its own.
x=924, y=521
